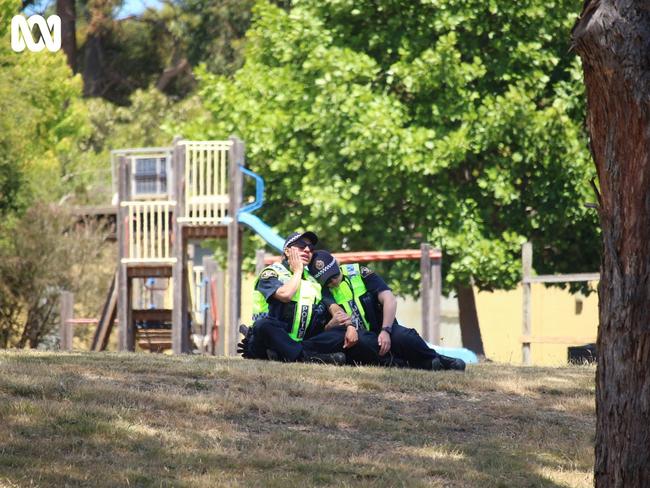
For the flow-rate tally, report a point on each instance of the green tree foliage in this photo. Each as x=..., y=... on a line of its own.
x=45, y=250
x=42, y=117
x=213, y=32
x=41, y=249
x=159, y=47
x=385, y=124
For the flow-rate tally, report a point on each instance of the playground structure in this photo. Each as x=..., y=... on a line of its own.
x=168, y=200
x=164, y=293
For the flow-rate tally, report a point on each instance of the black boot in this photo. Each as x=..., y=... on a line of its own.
x=337, y=358
x=451, y=363
x=272, y=355
x=436, y=364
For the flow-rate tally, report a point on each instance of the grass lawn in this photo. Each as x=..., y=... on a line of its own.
x=104, y=419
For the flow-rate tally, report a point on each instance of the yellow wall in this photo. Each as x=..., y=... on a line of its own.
x=555, y=313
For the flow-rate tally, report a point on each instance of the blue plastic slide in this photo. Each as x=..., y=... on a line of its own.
x=456, y=352
x=246, y=217
x=264, y=231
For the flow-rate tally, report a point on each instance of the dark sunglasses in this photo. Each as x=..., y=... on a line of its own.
x=300, y=244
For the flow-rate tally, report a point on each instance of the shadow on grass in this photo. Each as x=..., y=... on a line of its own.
x=219, y=423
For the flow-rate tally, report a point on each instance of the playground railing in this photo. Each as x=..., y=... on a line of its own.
x=206, y=182
x=148, y=231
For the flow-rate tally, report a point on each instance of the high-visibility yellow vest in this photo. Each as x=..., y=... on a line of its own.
x=308, y=295
x=349, y=292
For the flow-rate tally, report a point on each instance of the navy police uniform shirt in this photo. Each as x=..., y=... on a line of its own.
x=267, y=285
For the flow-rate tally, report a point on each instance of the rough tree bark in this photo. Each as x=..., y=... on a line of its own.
x=613, y=39
x=66, y=10
x=94, y=67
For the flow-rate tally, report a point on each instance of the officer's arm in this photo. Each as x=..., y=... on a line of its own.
x=289, y=289
x=389, y=304
x=339, y=317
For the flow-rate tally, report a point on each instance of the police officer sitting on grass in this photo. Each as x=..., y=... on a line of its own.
x=371, y=305
x=290, y=318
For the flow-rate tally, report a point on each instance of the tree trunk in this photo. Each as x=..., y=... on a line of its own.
x=66, y=10
x=94, y=72
x=171, y=73
x=94, y=67
x=470, y=330
x=613, y=39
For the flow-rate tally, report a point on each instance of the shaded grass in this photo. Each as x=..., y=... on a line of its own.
x=149, y=420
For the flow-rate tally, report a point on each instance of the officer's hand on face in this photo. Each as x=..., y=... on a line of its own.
x=295, y=263
x=384, y=342
x=351, y=337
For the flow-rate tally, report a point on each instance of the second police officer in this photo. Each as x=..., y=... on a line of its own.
x=371, y=305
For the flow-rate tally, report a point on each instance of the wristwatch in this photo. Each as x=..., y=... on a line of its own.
x=388, y=329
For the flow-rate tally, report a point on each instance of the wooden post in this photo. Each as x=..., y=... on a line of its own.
x=180, y=332
x=425, y=292
x=126, y=336
x=107, y=319
x=436, y=297
x=215, y=284
x=66, y=329
x=259, y=261
x=234, y=245
x=220, y=282
x=209, y=319
x=527, y=266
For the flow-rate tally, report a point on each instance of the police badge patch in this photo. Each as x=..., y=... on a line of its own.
x=267, y=274
x=365, y=271
x=319, y=264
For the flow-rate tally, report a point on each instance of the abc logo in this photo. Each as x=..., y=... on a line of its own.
x=21, y=33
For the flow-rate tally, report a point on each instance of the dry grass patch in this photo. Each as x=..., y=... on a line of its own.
x=151, y=420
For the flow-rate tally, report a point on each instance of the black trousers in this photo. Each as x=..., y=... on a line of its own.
x=272, y=334
x=409, y=347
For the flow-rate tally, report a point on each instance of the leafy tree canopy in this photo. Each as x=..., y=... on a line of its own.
x=384, y=124
x=42, y=116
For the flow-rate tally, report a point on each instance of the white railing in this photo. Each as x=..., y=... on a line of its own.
x=148, y=231
x=206, y=182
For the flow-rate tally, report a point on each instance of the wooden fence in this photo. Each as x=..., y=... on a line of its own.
x=527, y=337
